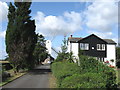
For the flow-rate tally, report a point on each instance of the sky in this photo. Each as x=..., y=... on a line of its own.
x=58, y=19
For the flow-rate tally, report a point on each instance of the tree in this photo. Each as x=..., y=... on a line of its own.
x=64, y=55
x=64, y=45
x=40, y=53
x=20, y=36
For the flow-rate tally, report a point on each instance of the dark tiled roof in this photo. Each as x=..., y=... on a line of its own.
x=76, y=39
x=109, y=41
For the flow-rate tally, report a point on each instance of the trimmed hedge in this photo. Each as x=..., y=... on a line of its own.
x=62, y=70
x=90, y=74
x=89, y=80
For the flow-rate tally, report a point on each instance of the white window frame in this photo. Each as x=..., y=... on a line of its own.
x=101, y=47
x=84, y=46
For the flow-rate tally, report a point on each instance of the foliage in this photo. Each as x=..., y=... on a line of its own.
x=89, y=64
x=40, y=53
x=64, y=45
x=20, y=36
x=62, y=70
x=118, y=56
x=64, y=55
x=90, y=74
x=87, y=80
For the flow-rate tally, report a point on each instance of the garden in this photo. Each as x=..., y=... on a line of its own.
x=7, y=73
x=90, y=74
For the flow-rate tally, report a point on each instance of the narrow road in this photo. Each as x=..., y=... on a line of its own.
x=37, y=78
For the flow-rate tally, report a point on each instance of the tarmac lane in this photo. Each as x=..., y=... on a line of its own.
x=36, y=78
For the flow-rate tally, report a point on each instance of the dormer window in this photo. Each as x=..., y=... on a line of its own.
x=101, y=47
x=84, y=46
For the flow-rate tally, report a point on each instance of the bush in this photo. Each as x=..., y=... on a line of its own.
x=87, y=80
x=5, y=75
x=89, y=64
x=64, y=69
x=90, y=74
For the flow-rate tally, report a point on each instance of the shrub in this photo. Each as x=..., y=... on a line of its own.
x=90, y=74
x=5, y=75
x=89, y=64
x=62, y=70
x=87, y=80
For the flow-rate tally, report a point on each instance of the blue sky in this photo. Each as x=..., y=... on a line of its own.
x=56, y=19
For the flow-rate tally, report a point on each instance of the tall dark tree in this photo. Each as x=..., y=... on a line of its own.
x=40, y=53
x=20, y=35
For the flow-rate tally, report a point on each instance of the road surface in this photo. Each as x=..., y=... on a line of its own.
x=37, y=78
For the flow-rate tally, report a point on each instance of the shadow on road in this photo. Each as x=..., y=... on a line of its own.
x=40, y=70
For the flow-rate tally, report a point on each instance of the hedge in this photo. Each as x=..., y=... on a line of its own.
x=62, y=70
x=70, y=75
x=89, y=80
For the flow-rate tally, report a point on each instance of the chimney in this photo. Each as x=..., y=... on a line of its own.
x=71, y=35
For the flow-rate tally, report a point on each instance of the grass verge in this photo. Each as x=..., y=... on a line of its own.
x=52, y=81
x=13, y=77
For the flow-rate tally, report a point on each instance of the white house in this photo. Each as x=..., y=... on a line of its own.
x=92, y=45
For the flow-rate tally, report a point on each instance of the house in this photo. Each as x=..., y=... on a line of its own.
x=92, y=45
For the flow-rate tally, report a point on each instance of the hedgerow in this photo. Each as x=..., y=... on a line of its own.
x=90, y=74
x=89, y=80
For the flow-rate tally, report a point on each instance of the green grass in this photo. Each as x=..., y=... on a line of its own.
x=52, y=81
x=119, y=75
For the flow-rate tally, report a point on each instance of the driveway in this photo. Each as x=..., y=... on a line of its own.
x=36, y=78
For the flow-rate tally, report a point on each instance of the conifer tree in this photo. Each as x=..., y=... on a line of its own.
x=20, y=36
x=40, y=53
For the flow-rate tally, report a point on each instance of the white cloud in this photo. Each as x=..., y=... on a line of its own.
x=102, y=16
x=104, y=35
x=2, y=34
x=3, y=11
x=50, y=25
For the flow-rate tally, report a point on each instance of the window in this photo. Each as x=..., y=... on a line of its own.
x=98, y=46
x=101, y=47
x=84, y=46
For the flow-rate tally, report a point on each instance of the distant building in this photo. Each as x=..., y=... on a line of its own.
x=92, y=45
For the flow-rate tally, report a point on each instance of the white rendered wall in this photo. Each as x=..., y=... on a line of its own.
x=48, y=46
x=74, y=49
x=111, y=54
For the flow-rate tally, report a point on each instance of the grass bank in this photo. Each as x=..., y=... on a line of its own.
x=13, y=77
x=90, y=74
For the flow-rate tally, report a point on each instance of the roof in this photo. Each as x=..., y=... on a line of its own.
x=109, y=41
x=76, y=39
